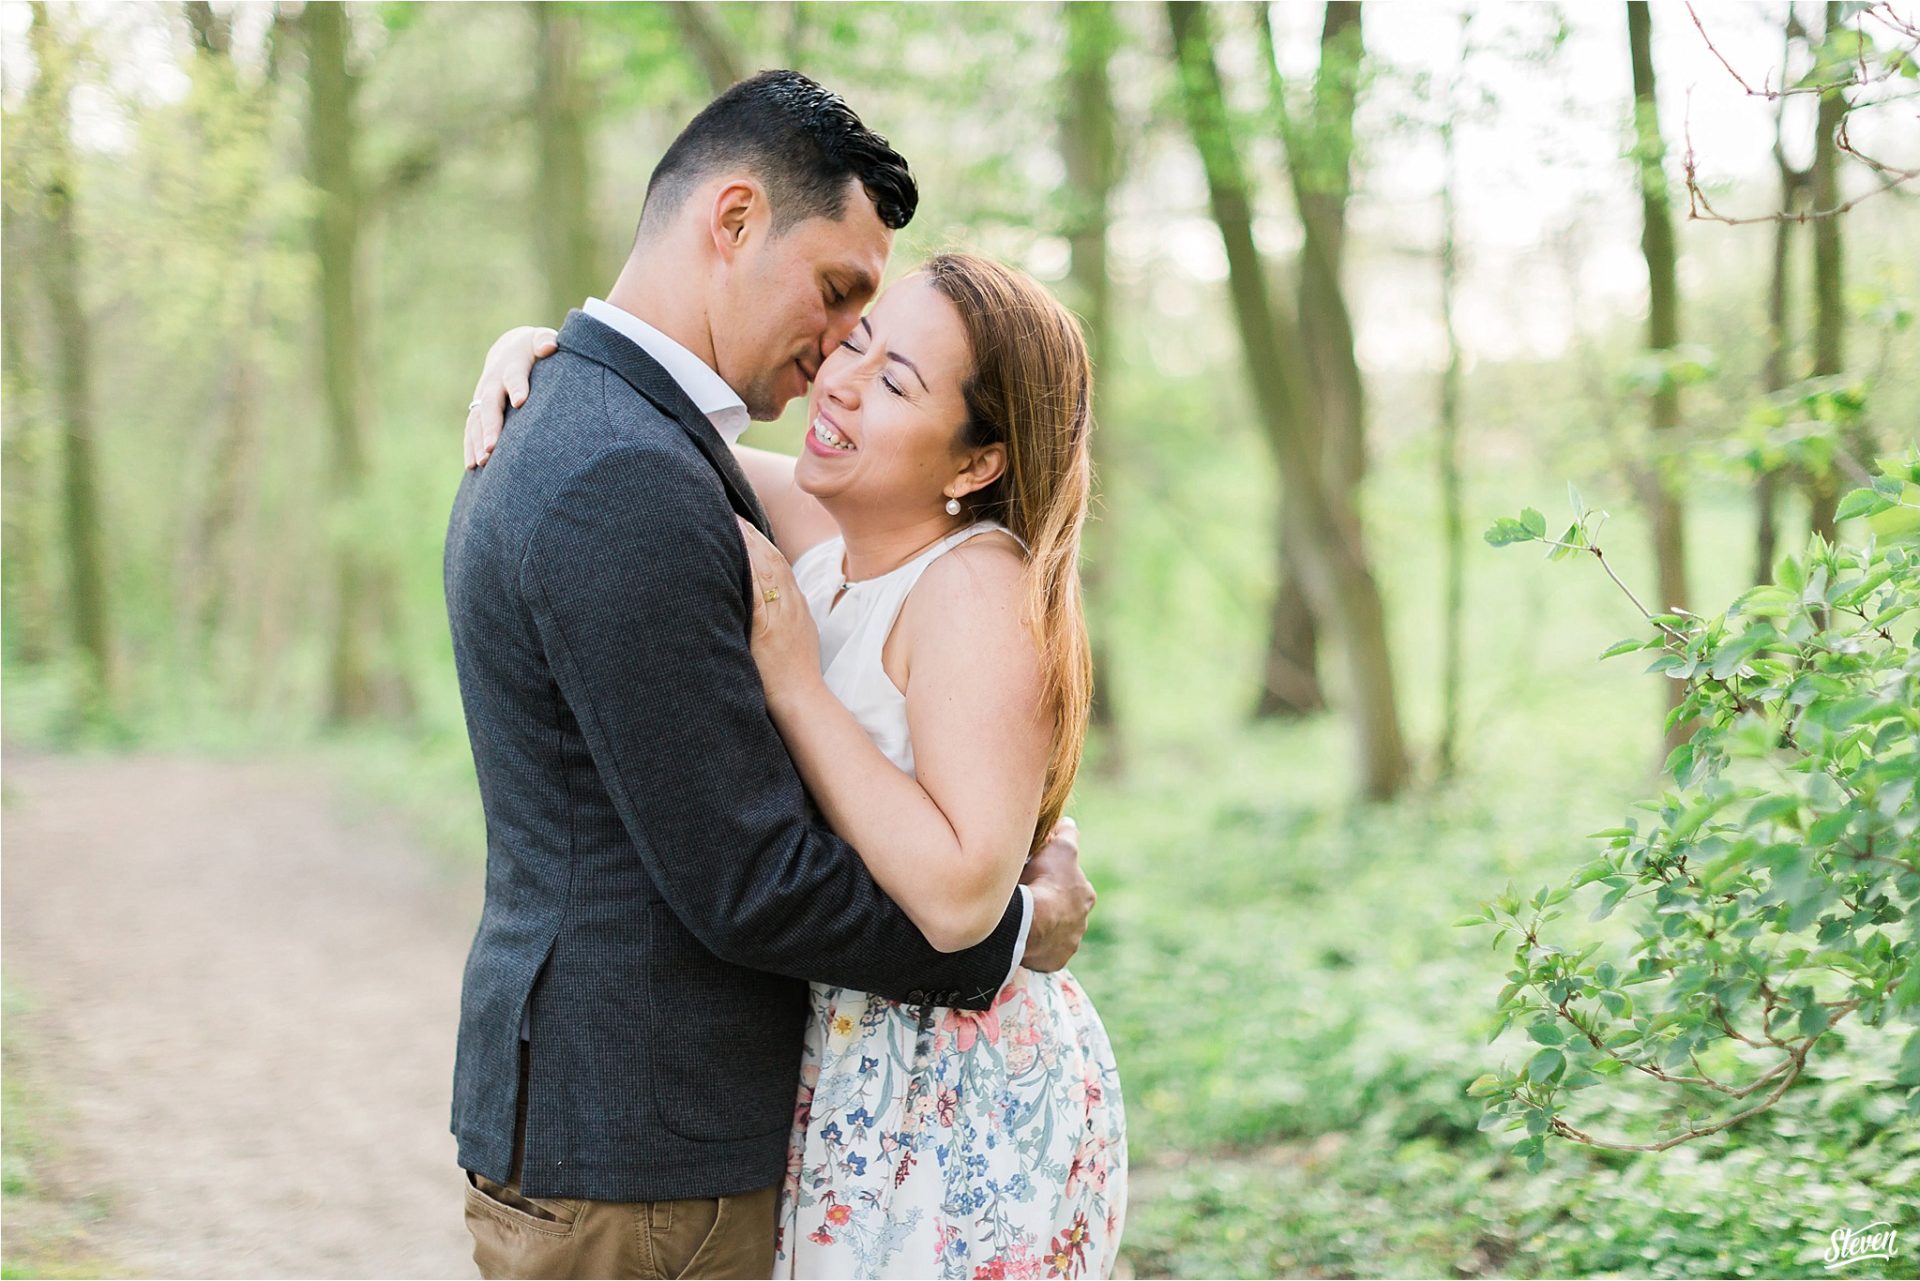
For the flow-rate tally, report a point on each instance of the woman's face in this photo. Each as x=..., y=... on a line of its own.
x=885, y=414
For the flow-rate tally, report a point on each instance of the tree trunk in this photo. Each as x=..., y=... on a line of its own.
x=563, y=199
x=1793, y=190
x=29, y=607
x=223, y=471
x=58, y=267
x=1337, y=569
x=354, y=692
x=1087, y=146
x=1829, y=310
x=1320, y=165
x=701, y=27
x=1663, y=334
x=1290, y=672
x=1318, y=155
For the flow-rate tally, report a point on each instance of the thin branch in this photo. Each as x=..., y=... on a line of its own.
x=1891, y=19
x=1700, y=208
x=1797, y=1062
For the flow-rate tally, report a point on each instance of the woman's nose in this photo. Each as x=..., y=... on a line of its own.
x=844, y=388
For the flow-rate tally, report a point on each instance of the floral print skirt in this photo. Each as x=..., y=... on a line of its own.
x=934, y=1142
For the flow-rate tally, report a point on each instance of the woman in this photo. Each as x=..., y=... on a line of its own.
x=919, y=634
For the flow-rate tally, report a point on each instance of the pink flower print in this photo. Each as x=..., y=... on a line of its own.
x=820, y=1236
x=839, y=1215
x=972, y=1025
x=949, y=1103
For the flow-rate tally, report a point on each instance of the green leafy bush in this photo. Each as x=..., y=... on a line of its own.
x=1772, y=888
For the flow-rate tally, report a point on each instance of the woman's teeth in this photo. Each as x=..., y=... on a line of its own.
x=827, y=436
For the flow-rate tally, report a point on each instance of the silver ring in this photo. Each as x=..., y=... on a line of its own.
x=475, y=405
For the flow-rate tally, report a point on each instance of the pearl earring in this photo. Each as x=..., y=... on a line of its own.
x=953, y=506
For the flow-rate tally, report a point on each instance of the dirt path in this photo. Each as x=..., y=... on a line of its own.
x=242, y=1004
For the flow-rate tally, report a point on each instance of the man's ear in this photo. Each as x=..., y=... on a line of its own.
x=982, y=469
x=736, y=208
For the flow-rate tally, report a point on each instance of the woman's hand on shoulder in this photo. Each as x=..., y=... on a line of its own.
x=504, y=380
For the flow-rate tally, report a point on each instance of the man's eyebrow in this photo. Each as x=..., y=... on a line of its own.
x=856, y=281
x=894, y=355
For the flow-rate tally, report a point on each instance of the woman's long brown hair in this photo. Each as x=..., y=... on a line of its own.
x=1031, y=391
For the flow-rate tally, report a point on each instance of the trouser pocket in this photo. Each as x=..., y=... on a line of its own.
x=516, y=1236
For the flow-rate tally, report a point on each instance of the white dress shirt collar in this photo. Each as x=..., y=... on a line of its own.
x=706, y=389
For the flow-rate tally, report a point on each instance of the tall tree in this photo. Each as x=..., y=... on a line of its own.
x=58, y=268
x=563, y=198
x=229, y=116
x=358, y=684
x=1658, y=487
x=1829, y=310
x=29, y=610
x=1319, y=150
x=1794, y=185
x=1090, y=150
x=1318, y=143
x=1322, y=516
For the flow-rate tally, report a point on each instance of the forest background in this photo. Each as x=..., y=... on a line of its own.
x=1359, y=280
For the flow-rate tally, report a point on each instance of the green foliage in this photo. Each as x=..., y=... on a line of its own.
x=1772, y=887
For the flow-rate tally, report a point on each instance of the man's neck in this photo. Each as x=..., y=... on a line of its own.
x=663, y=297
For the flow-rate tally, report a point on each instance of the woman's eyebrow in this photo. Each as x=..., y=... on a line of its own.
x=894, y=355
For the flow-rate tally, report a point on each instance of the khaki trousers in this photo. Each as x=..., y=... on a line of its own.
x=521, y=1236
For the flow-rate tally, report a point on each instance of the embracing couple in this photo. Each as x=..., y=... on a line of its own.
x=669, y=645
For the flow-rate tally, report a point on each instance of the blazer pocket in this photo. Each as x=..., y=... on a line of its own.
x=724, y=1041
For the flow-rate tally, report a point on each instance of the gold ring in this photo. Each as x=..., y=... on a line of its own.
x=770, y=595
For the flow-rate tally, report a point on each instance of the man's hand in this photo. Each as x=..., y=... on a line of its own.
x=1062, y=899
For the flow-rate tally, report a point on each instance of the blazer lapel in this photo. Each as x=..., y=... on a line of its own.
x=587, y=337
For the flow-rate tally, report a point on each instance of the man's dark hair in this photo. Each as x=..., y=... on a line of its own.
x=800, y=140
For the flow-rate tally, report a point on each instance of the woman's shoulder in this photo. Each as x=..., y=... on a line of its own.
x=982, y=577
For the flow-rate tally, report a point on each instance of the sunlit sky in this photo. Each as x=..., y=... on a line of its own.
x=1549, y=226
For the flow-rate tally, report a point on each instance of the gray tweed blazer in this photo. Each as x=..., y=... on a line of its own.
x=658, y=889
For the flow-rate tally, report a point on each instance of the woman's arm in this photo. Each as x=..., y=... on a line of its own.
x=798, y=519
x=948, y=846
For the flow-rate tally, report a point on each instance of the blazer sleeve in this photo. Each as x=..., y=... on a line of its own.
x=638, y=582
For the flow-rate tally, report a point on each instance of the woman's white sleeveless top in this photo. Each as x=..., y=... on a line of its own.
x=853, y=632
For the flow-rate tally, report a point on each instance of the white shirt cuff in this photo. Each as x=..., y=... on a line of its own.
x=1020, y=939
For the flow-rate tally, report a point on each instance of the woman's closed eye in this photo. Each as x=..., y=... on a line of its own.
x=886, y=380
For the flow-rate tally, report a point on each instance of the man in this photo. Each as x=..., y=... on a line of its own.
x=657, y=891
